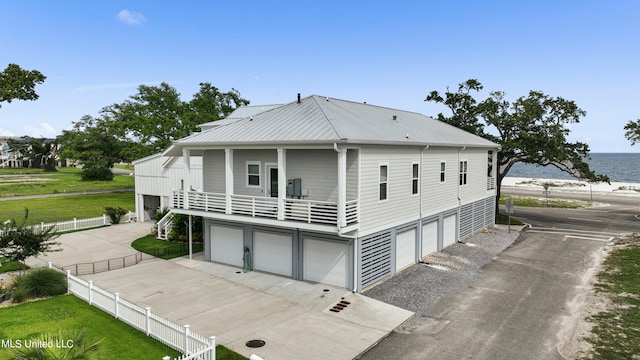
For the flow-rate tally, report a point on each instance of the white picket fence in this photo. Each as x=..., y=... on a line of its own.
x=78, y=224
x=180, y=338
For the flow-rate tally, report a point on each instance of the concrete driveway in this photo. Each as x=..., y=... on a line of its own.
x=292, y=317
x=523, y=305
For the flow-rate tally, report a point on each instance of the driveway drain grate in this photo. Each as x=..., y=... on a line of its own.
x=255, y=343
x=340, y=306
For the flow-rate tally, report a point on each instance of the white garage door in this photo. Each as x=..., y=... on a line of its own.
x=405, y=249
x=326, y=262
x=449, y=233
x=273, y=253
x=429, y=238
x=227, y=245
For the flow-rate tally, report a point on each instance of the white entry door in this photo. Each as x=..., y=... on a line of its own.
x=227, y=245
x=405, y=249
x=273, y=253
x=326, y=262
x=429, y=238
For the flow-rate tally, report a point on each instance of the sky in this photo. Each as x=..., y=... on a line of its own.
x=386, y=53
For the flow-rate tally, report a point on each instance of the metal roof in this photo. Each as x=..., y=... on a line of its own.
x=237, y=114
x=318, y=119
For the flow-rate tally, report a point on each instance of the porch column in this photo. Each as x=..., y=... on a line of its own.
x=342, y=187
x=228, y=178
x=190, y=237
x=186, y=159
x=282, y=181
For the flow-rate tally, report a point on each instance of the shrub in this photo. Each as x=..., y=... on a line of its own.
x=115, y=214
x=41, y=283
x=103, y=174
x=19, y=295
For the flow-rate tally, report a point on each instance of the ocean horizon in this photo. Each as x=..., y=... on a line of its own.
x=620, y=167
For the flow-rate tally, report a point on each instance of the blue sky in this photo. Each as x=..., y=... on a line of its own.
x=387, y=53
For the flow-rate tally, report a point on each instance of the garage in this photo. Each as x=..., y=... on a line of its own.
x=429, y=238
x=273, y=252
x=227, y=245
x=326, y=261
x=405, y=249
x=449, y=231
x=151, y=205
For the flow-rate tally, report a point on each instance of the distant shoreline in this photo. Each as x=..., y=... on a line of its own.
x=620, y=188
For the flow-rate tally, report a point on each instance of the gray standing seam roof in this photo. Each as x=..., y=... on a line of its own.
x=318, y=119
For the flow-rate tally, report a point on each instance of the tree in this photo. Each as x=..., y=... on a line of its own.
x=152, y=119
x=90, y=142
x=17, y=83
x=632, y=132
x=43, y=153
x=20, y=241
x=533, y=129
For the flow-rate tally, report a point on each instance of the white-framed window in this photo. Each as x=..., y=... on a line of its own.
x=415, y=178
x=383, y=188
x=253, y=174
x=463, y=172
x=443, y=171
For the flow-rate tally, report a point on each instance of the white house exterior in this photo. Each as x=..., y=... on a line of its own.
x=330, y=191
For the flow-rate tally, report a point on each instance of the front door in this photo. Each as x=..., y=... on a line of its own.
x=272, y=180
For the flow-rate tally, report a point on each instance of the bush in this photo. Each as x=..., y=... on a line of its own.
x=101, y=174
x=115, y=214
x=40, y=283
x=19, y=295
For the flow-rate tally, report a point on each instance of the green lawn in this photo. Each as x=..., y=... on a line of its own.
x=616, y=332
x=19, y=182
x=65, y=207
x=67, y=313
x=162, y=248
x=11, y=266
x=542, y=202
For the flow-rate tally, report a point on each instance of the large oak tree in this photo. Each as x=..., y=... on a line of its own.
x=632, y=131
x=533, y=129
x=19, y=84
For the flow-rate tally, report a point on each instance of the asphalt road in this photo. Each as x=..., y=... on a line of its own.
x=520, y=306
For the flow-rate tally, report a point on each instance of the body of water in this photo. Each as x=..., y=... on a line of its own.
x=624, y=167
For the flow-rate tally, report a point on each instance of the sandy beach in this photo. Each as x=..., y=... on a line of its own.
x=568, y=186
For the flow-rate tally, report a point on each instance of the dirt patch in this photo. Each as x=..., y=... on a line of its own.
x=576, y=327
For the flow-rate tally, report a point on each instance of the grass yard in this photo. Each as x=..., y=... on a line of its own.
x=20, y=182
x=162, y=248
x=64, y=208
x=67, y=313
x=8, y=266
x=542, y=202
x=616, y=332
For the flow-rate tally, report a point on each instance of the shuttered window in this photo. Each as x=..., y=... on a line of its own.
x=415, y=178
x=384, y=182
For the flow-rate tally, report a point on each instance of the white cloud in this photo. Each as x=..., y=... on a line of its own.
x=131, y=17
x=43, y=131
x=4, y=132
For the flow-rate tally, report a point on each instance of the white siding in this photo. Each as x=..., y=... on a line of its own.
x=476, y=187
x=439, y=196
x=401, y=203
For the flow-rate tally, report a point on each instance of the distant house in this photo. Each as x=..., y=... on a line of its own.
x=14, y=152
x=325, y=190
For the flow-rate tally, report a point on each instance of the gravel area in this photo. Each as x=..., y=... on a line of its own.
x=421, y=286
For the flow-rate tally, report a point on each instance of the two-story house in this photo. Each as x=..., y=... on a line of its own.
x=331, y=191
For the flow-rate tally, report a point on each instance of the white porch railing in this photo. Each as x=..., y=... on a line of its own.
x=180, y=338
x=309, y=211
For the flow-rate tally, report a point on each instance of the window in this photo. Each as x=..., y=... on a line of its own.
x=383, y=181
x=443, y=171
x=253, y=173
x=463, y=172
x=415, y=179
x=490, y=163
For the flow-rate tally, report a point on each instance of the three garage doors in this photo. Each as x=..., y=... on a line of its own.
x=322, y=260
